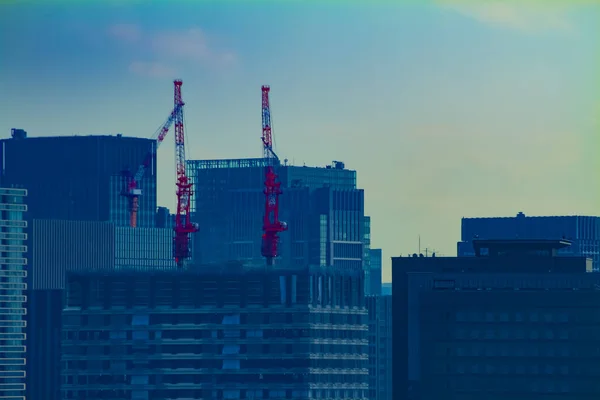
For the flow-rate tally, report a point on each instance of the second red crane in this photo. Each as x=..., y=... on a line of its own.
x=272, y=227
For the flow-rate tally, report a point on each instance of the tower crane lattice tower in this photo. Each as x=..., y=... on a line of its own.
x=271, y=224
x=183, y=225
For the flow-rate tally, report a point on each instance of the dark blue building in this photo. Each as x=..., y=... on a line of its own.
x=583, y=232
x=71, y=179
x=79, y=177
x=515, y=321
x=225, y=332
x=322, y=206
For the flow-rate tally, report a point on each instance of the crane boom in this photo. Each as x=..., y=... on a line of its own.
x=272, y=189
x=132, y=192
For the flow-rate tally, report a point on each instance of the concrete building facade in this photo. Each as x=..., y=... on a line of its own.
x=510, y=322
x=225, y=332
x=13, y=283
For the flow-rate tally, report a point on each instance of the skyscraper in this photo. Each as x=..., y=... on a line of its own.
x=77, y=180
x=79, y=177
x=13, y=275
x=323, y=208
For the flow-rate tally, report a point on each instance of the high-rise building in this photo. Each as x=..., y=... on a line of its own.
x=225, y=332
x=583, y=232
x=511, y=322
x=79, y=177
x=13, y=273
x=60, y=246
x=322, y=206
x=375, y=267
x=380, y=347
x=71, y=179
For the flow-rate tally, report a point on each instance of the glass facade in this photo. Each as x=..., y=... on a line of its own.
x=316, y=203
x=144, y=248
x=85, y=182
x=13, y=278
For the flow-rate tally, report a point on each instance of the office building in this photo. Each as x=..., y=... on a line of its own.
x=380, y=347
x=79, y=177
x=13, y=273
x=583, y=232
x=225, y=332
x=59, y=246
x=375, y=267
x=322, y=207
x=514, y=321
x=71, y=179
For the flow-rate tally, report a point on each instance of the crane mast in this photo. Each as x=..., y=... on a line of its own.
x=271, y=224
x=183, y=225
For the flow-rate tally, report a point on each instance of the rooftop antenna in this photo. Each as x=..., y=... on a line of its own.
x=419, y=244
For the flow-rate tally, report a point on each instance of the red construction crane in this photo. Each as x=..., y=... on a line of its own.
x=132, y=192
x=183, y=226
x=271, y=224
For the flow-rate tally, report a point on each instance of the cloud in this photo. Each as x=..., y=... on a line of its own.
x=127, y=32
x=525, y=16
x=152, y=69
x=191, y=46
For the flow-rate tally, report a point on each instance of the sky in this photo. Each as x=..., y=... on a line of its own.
x=446, y=109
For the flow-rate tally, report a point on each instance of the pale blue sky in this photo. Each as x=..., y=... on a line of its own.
x=445, y=109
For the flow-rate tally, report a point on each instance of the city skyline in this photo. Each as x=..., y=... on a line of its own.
x=445, y=109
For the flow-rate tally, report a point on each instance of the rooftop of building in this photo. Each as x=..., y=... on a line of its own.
x=259, y=162
x=502, y=256
x=520, y=214
x=20, y=134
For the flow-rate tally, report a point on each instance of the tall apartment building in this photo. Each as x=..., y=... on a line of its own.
x=71, y=178
x=583, y=232
x=322, y=206
x=514, y=321
x=380, y=347
x=13, y=273
x=228, y=332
